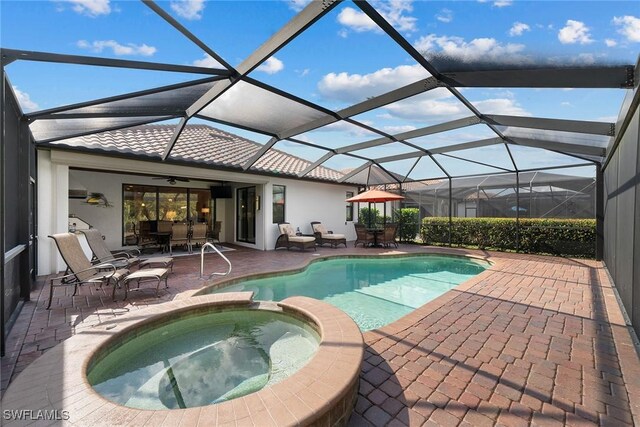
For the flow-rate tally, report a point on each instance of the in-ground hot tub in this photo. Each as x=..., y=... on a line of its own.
x=322, y=390
x=201, y=358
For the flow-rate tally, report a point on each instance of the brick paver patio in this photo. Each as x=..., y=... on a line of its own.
x=534, y=340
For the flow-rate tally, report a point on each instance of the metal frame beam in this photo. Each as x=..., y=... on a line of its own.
x=560, y=147
x=592, y=77
x=442, y=150
x=110, y=128
x=356, y=171
x=429, y=130
x=576, y=126
x=51, y=112
x=188, y=34
x=315, y=164
x=310, y=14
x=24, y=55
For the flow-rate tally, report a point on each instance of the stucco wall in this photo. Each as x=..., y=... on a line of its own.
x=305, y=201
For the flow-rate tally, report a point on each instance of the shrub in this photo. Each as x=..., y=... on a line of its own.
x=569, y=237
x=369, y=217
x=408, y=223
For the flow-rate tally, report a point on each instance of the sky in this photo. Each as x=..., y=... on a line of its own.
x=341, y=60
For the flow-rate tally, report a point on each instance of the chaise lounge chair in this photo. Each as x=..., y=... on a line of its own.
x=102, y=254
x=82, y=271
x=124, y=259
x=288, y=238
x=323, y=236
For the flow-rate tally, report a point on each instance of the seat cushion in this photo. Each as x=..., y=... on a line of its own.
x=165, y=261
x=319, y=228
x=333, y=236
x=301, y=239
x=287, y=229
x=150, y=273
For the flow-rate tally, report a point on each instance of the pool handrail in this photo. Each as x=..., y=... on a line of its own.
x=211, y=245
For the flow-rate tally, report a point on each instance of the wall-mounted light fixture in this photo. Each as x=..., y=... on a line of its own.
x=257, y=203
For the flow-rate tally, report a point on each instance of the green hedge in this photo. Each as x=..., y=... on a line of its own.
x=569, y=237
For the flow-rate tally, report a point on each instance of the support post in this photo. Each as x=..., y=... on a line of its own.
x=517, y=212
x=450, y=212
x=599, y=213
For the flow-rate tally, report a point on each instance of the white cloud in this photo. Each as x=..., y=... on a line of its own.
x=574, y=32
x=629, y=27
x=504, y=106
x=91, y=8
x=445, y=15
x=394, y=11
x=518, y=29
x=271, y=66
x=344, y=33
x=610, y=42
x=498, y=3
x=481, y=49
x=188, y=9
x=298, y=5
x=208, y=61
x=394, y=130
x=25, y=101
x=304, y=72
x=565, y=104
x=356, y=20
x=357, y=87
x=117, y=48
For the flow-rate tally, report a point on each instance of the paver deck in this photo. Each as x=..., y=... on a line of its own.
x=534, y=340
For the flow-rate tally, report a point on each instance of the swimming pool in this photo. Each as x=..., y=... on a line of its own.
x=373, y=291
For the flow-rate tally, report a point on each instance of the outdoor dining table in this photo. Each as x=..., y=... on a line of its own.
x=376, y=232
x=164, y=239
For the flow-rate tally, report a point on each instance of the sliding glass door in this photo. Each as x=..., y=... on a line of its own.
x=246, y=215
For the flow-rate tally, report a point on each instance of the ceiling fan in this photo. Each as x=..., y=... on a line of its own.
x=173, y=179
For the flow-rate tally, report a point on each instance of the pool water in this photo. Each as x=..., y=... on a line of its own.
x=203, y=359
x=373, y=291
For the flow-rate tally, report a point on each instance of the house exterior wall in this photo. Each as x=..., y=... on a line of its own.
x=306, y=201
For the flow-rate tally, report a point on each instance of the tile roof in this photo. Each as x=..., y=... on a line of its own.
x=199, y=144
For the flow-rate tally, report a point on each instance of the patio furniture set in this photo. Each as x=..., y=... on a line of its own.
x=105, y=267
x=169, y=234
x=289, y=238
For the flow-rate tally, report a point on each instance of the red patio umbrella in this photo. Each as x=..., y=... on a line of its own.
x=376, y=196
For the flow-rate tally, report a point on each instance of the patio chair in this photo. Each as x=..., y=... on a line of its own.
x=179, y=236
x=215, y=233
x=363, y=236
x=323, y=236
x=82, y=271
x=389, y=235
x=199, y=234
x=288, y=238
x=102, y=254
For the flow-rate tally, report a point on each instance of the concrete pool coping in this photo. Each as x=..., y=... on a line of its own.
x=323, y=391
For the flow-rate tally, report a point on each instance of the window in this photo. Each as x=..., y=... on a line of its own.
x=144, y=206
x=278, y=203
x=349, y=206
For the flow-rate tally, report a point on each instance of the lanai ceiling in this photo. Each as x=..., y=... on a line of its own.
x=233, y=96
